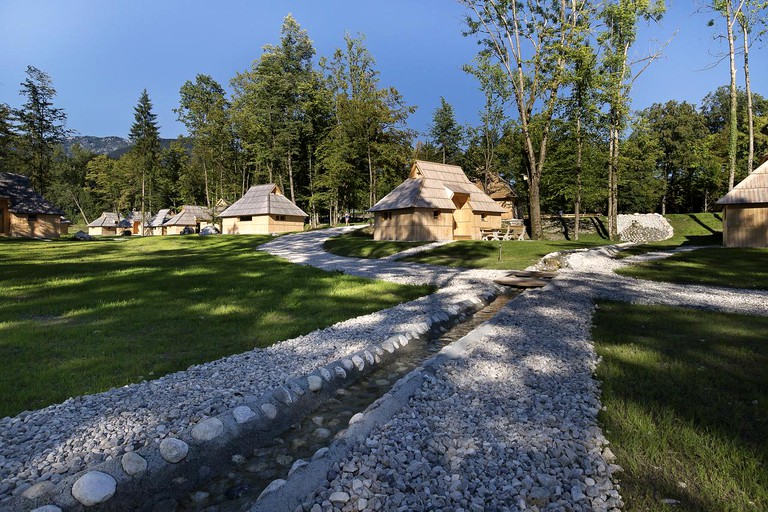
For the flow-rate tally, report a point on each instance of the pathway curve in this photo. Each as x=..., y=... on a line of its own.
x=510, y=423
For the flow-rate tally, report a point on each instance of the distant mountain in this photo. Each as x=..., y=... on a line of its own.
x=114, y=147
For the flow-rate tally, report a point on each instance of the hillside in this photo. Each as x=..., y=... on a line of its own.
x=112, y=146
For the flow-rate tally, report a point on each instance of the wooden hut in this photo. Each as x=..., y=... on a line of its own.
x=436, y=202
x=190, y=217
x=504, y=195
x=745, y=211
x=24, y=212
x=106, y=224
x=157, y=223
x=262, y=210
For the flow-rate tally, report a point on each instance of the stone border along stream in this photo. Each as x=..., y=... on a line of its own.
x=137, y=479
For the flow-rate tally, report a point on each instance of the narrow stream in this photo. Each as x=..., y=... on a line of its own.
x=238, y=489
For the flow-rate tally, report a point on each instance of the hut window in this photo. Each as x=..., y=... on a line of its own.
x=484, y=217
x=32, y=217
x=436, y=214
x=246, y=218
x=386, y=215
x=280, y=217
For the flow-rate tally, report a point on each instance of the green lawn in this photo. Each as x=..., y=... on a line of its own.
x=514, y=254
x=82, y=317
x=690, y=229
x=360, y=244
x=730, y=267
x=686, y=406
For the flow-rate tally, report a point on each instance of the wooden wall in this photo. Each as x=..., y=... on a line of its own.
x=415, y=224
x=261, y=225
x=43, y=226
x=745, y=225
x=420, y=224
x=103, y=230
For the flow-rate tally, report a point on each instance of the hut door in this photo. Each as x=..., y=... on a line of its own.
x=462, y=217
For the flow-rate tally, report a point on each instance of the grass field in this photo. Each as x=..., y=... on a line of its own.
x=360, y=244
x=82, y=317
x=686, y=406
x=514, y=254
x=729, y=267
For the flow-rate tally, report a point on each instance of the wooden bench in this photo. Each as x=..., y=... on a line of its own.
x=510, y=232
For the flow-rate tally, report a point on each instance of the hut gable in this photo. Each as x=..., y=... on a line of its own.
x=17, y=189
x=159, y=219
x=433, y=185
x=263, y=200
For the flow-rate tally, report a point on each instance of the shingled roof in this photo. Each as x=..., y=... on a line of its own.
x=433, y=185
x=263, y=200
x=190, y=215
x=107, y=220
x=751, y=190
x=158, y=220
x=18, y=190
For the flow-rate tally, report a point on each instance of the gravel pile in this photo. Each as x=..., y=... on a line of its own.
x=640, y=228
x=509, y=426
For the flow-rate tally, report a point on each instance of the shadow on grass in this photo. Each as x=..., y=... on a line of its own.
x=686, y=402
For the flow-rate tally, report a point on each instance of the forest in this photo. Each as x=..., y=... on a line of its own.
x=556, y=124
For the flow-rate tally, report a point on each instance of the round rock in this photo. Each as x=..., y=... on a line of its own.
x=93, y=488
x=47, y=508
x=269, y=410
x=173, y=450
x=208, y=429
x=243, y=413
x=314, y=382
x=133, y=463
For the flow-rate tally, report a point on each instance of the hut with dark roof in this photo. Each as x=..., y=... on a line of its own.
x=262, y=210
x=24, y=212
x=745, y=211
x=436, y=202
x=106, y=224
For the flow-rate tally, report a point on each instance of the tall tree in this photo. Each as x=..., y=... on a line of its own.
x=7, y=138
x=367, y=140
x=145, y=136
x=41, y=126
x=446, y=132
x=204, y=110
x=269, y=104
x=529, y=39
x=751, y=18
x=621, y=18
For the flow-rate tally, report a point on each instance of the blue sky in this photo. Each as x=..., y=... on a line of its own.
x=101, y=54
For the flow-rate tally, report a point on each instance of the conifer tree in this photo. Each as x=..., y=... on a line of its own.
x=41, y=126
x=446, y=132
x=145, y=136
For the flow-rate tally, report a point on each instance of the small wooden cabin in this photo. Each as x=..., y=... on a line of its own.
x=157, y=223
x=190, y=216
x=106, y=224
x=262, y=210
x=745, y=211
x=436, y=202
x=504, y=195
x=24, y=212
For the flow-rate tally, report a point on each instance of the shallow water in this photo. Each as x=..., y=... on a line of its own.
x=238, y=489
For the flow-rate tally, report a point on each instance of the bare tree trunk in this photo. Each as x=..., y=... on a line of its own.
x=77, y=203
x=207, y=193
x=732, y=128
x=750, y=113
x=370, y=178
x=577, y=200
x=290, y=177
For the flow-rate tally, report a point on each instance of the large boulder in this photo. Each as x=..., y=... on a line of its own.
x=82, y=236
